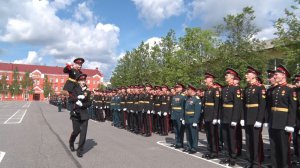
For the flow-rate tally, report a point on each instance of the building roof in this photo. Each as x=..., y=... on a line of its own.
x=44, y=69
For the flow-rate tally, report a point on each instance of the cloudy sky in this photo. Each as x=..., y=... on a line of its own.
x=53, y=32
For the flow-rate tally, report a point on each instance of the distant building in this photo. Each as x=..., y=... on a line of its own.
x=37, y=73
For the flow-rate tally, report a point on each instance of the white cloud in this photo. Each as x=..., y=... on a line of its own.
x=155, y=11
x=37, y=23
x=32, y=58
x=211, y=12
x=153, y=41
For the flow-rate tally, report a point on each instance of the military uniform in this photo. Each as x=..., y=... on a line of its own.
x=211, y=111
x=191, y=119
x=80, y=119
x=254, y=105
x=148, y=107
x=177, y=114
x=165, y=110
x=157, y=113
x=230, y=114
x=282, y=115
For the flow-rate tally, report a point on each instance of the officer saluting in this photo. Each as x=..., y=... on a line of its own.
x=282, y=114
x=74, y=70
x=211, y=111
x=191, y=119
x=252, y=118
x=229, y=116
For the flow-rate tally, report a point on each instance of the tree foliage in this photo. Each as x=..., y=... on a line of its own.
x=48, y=90
x=288, y=31
x=185, y=59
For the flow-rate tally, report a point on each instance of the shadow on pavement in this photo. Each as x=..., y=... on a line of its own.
x=89, y=144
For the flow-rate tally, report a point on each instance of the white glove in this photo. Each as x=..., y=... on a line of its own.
x=119, y=109
x=194, y=124
x=96, y=106
x=233, y=124
x=257, y=124
x=266, y=125
x=101, y=108
x=124, y=109
x=183, y=122
x=165, y=113
x=84, y=88
x=79, y=103
x=242, y=122
x=219, y=121
x=80, y=97
x=289, y=129
x=152, y=111
x=148, y=112
x=131, y=111
x=159, y=113
x=215, y=121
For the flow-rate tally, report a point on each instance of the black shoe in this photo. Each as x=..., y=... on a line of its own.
x=231, y=163
x=178, y=146
x=71, y=145
x=79, y=153
x=212, y=156
x=185, y=150
x=224, y=161
x=192, y=151
x=205, y=155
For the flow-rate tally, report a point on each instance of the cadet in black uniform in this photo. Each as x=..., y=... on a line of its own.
x=157, y=111
x=165, y=110
x=297, y=128
x=211, y=110
x=282, y=115
x=229, y=116
x=148, y=107
x=252, y=118
x=74, y=71
x=80, y=117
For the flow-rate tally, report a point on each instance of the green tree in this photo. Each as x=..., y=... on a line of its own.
x=3, y=85
x=48, y=90
x=288, y=31
x=239, y=48
x=27, y=84
x=14, y=87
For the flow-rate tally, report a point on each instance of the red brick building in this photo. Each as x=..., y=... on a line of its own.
x=37, y=73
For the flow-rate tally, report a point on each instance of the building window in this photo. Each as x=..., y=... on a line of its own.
x=88, y=81
x=38, y=82
x=20, y=78
x=7, y=77
x=56, y=80
x=62, y=80
x=50, y=80
x=0, y=76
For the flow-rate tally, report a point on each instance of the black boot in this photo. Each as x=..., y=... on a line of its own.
x=79, y=153
x=71, y=143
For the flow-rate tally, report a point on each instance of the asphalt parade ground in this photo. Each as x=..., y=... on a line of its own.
x=35, y=135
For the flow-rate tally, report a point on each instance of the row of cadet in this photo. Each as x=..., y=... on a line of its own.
x=224, y=110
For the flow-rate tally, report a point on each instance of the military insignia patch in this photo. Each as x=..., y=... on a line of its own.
x=283, y=92
x=253, y=90
x=263, y=92
x=238, y=92
x=294, y=96
x=191, y=102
